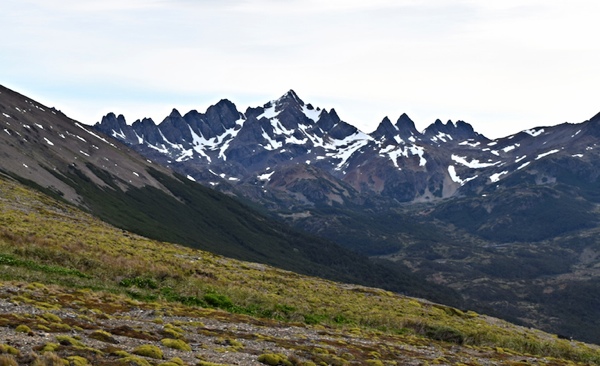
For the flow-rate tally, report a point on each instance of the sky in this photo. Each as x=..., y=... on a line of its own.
x=502, y=66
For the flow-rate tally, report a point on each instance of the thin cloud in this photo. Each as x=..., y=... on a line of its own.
x=502, y=66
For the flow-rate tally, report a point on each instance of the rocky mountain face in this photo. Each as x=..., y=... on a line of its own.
x=42, y=145
x=510, y=223
x=285, y=149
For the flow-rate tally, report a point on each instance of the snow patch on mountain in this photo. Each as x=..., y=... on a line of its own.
x=344, y=149
x=456, y=178
x=418, y=150
x=279, y=129
x=473, y=164
x=95, y=135
x=313, y=114
x=394, y=155
x=469, y=143
x=534, y=133
x=496, y=177
x=395, y=152
x=547, y=153
x=266, y=176
x=271, y=144
x=185, y=155
x=198, y=142
x=120, y=134
x=442, y=137
x=523, y=165
x=269, y=113
x=162, y=150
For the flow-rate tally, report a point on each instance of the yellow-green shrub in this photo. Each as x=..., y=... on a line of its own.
x=274, y=359
x=176, y=344
x=77, y=361
x=23, y=329
x=8, y=360
x=148, y=350
x=5, y=348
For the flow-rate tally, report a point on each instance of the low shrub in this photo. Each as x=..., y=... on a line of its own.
x=48, y=359
x=8, y=360
x=77, y=361
x=176, y=344
x=134, y=361
x=5, y=348
x=23, y=329
x=218, y=300
x=148, y=350
x=274, y=359
x=103, y=336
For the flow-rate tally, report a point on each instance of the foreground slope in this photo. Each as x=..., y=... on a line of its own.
x=77, y=289
x=47, y=150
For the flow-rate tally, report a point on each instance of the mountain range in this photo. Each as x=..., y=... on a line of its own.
x=265, y=145
x=508, y=226
x=510, y=223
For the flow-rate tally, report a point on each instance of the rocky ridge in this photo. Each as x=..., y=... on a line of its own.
x=396, y=162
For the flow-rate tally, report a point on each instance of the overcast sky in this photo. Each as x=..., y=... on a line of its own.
x=502, y=66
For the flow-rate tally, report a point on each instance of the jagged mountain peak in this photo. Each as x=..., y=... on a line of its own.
x=289, y=100
x=114, y=121
x=451, y=131
x=175, y=114
x=385, y=129
x=290, y=96
x=403, y=130
x=406, y=126
x=146, y=121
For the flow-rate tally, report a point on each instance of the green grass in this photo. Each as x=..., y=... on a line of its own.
x=201, y=218
x=44, y=242
x=12, y=261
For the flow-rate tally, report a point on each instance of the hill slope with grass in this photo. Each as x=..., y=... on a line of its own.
x=46, y=150
x=76, y=290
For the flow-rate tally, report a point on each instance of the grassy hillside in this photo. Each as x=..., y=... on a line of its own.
x=190, y=214
x=78, y=289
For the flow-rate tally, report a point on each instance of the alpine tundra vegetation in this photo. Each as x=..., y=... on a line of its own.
x=78, y=290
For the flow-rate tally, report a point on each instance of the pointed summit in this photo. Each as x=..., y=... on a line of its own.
x=112, y=122
x=458, y=131
x=385, y=130
x=175, y=114
x=405, y=123
x=289, y=98
x=403, y=130
x=406, y=127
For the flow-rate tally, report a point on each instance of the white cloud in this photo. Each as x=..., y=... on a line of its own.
x=502, y=66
